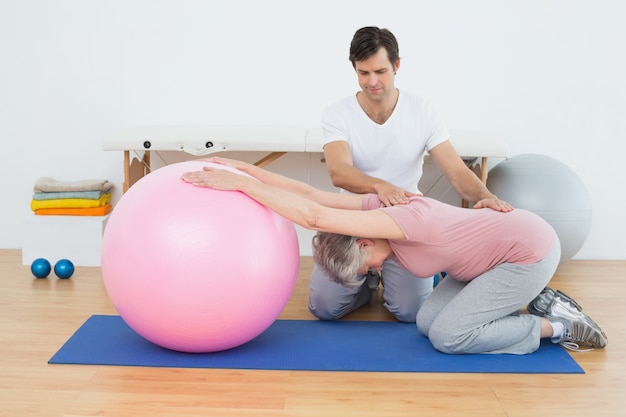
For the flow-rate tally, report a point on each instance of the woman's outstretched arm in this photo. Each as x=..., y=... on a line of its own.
x=325, y=198
x=299, y=202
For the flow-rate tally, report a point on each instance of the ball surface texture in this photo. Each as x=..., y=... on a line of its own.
x=550, y=189
x=194, y=269
x=64, y=268
x=40, y=268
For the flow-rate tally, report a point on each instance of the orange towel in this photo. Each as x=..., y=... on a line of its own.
x=93, y=211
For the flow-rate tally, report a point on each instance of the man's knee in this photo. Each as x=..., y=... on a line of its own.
x=404, y=313
x=323, y=314
x=331, y=301
x=405, y=306
x=322, y=307
x=333, y=306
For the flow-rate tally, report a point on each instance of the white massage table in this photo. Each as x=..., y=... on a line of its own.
x=276, y=140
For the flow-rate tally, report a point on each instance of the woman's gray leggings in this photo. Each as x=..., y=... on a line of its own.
x=480, y=316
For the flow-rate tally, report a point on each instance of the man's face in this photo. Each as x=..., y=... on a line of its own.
x=376, y=75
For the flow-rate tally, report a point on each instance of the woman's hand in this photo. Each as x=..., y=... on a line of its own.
x=216, y=178
x=233, y=163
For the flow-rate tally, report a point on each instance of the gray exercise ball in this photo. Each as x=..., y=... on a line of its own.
x=550, y=189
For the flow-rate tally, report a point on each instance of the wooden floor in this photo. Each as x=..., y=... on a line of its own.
x=38, y=315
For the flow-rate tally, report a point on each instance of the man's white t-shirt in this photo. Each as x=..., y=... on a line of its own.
x=392, y=151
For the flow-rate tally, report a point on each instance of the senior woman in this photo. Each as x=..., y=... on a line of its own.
x=496, y=263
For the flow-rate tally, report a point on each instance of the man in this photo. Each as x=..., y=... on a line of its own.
x=375, y=142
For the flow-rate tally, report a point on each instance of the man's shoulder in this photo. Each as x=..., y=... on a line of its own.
x=414, y=99
x=341, y=110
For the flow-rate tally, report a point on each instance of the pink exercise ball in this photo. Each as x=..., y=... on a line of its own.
x=195, y=269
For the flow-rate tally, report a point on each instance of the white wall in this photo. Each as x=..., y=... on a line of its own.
x=546, y=76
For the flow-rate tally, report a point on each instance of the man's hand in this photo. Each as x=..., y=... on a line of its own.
x=390, y=195
x=494, y=204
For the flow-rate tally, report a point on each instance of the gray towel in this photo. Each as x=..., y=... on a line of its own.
x=88, y=195
x=50, y=185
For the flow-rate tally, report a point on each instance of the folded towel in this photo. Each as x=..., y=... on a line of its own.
x=94, y=211
x=48, y=185
x=70, y=203
x=90, y=195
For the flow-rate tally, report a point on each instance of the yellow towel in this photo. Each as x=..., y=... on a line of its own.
x=69, y=203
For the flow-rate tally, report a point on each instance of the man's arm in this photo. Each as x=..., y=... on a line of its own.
x=344, y=175
x=464, y=181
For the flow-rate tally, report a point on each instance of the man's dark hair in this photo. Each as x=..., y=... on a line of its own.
x=368, y=40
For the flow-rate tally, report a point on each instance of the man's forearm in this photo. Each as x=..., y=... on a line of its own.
x=353, y=180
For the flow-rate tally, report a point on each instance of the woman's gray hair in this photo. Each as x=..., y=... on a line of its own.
x=340, y=257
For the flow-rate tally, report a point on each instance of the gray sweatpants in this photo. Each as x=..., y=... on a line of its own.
x=404, y=294
x=480, y=316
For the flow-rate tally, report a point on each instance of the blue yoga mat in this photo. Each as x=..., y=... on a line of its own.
x=305, y=345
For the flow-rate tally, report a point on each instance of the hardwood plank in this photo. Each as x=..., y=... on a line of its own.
x=38, y=315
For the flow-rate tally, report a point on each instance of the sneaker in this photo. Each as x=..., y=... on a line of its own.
x=581, y=333
x=539, y=306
